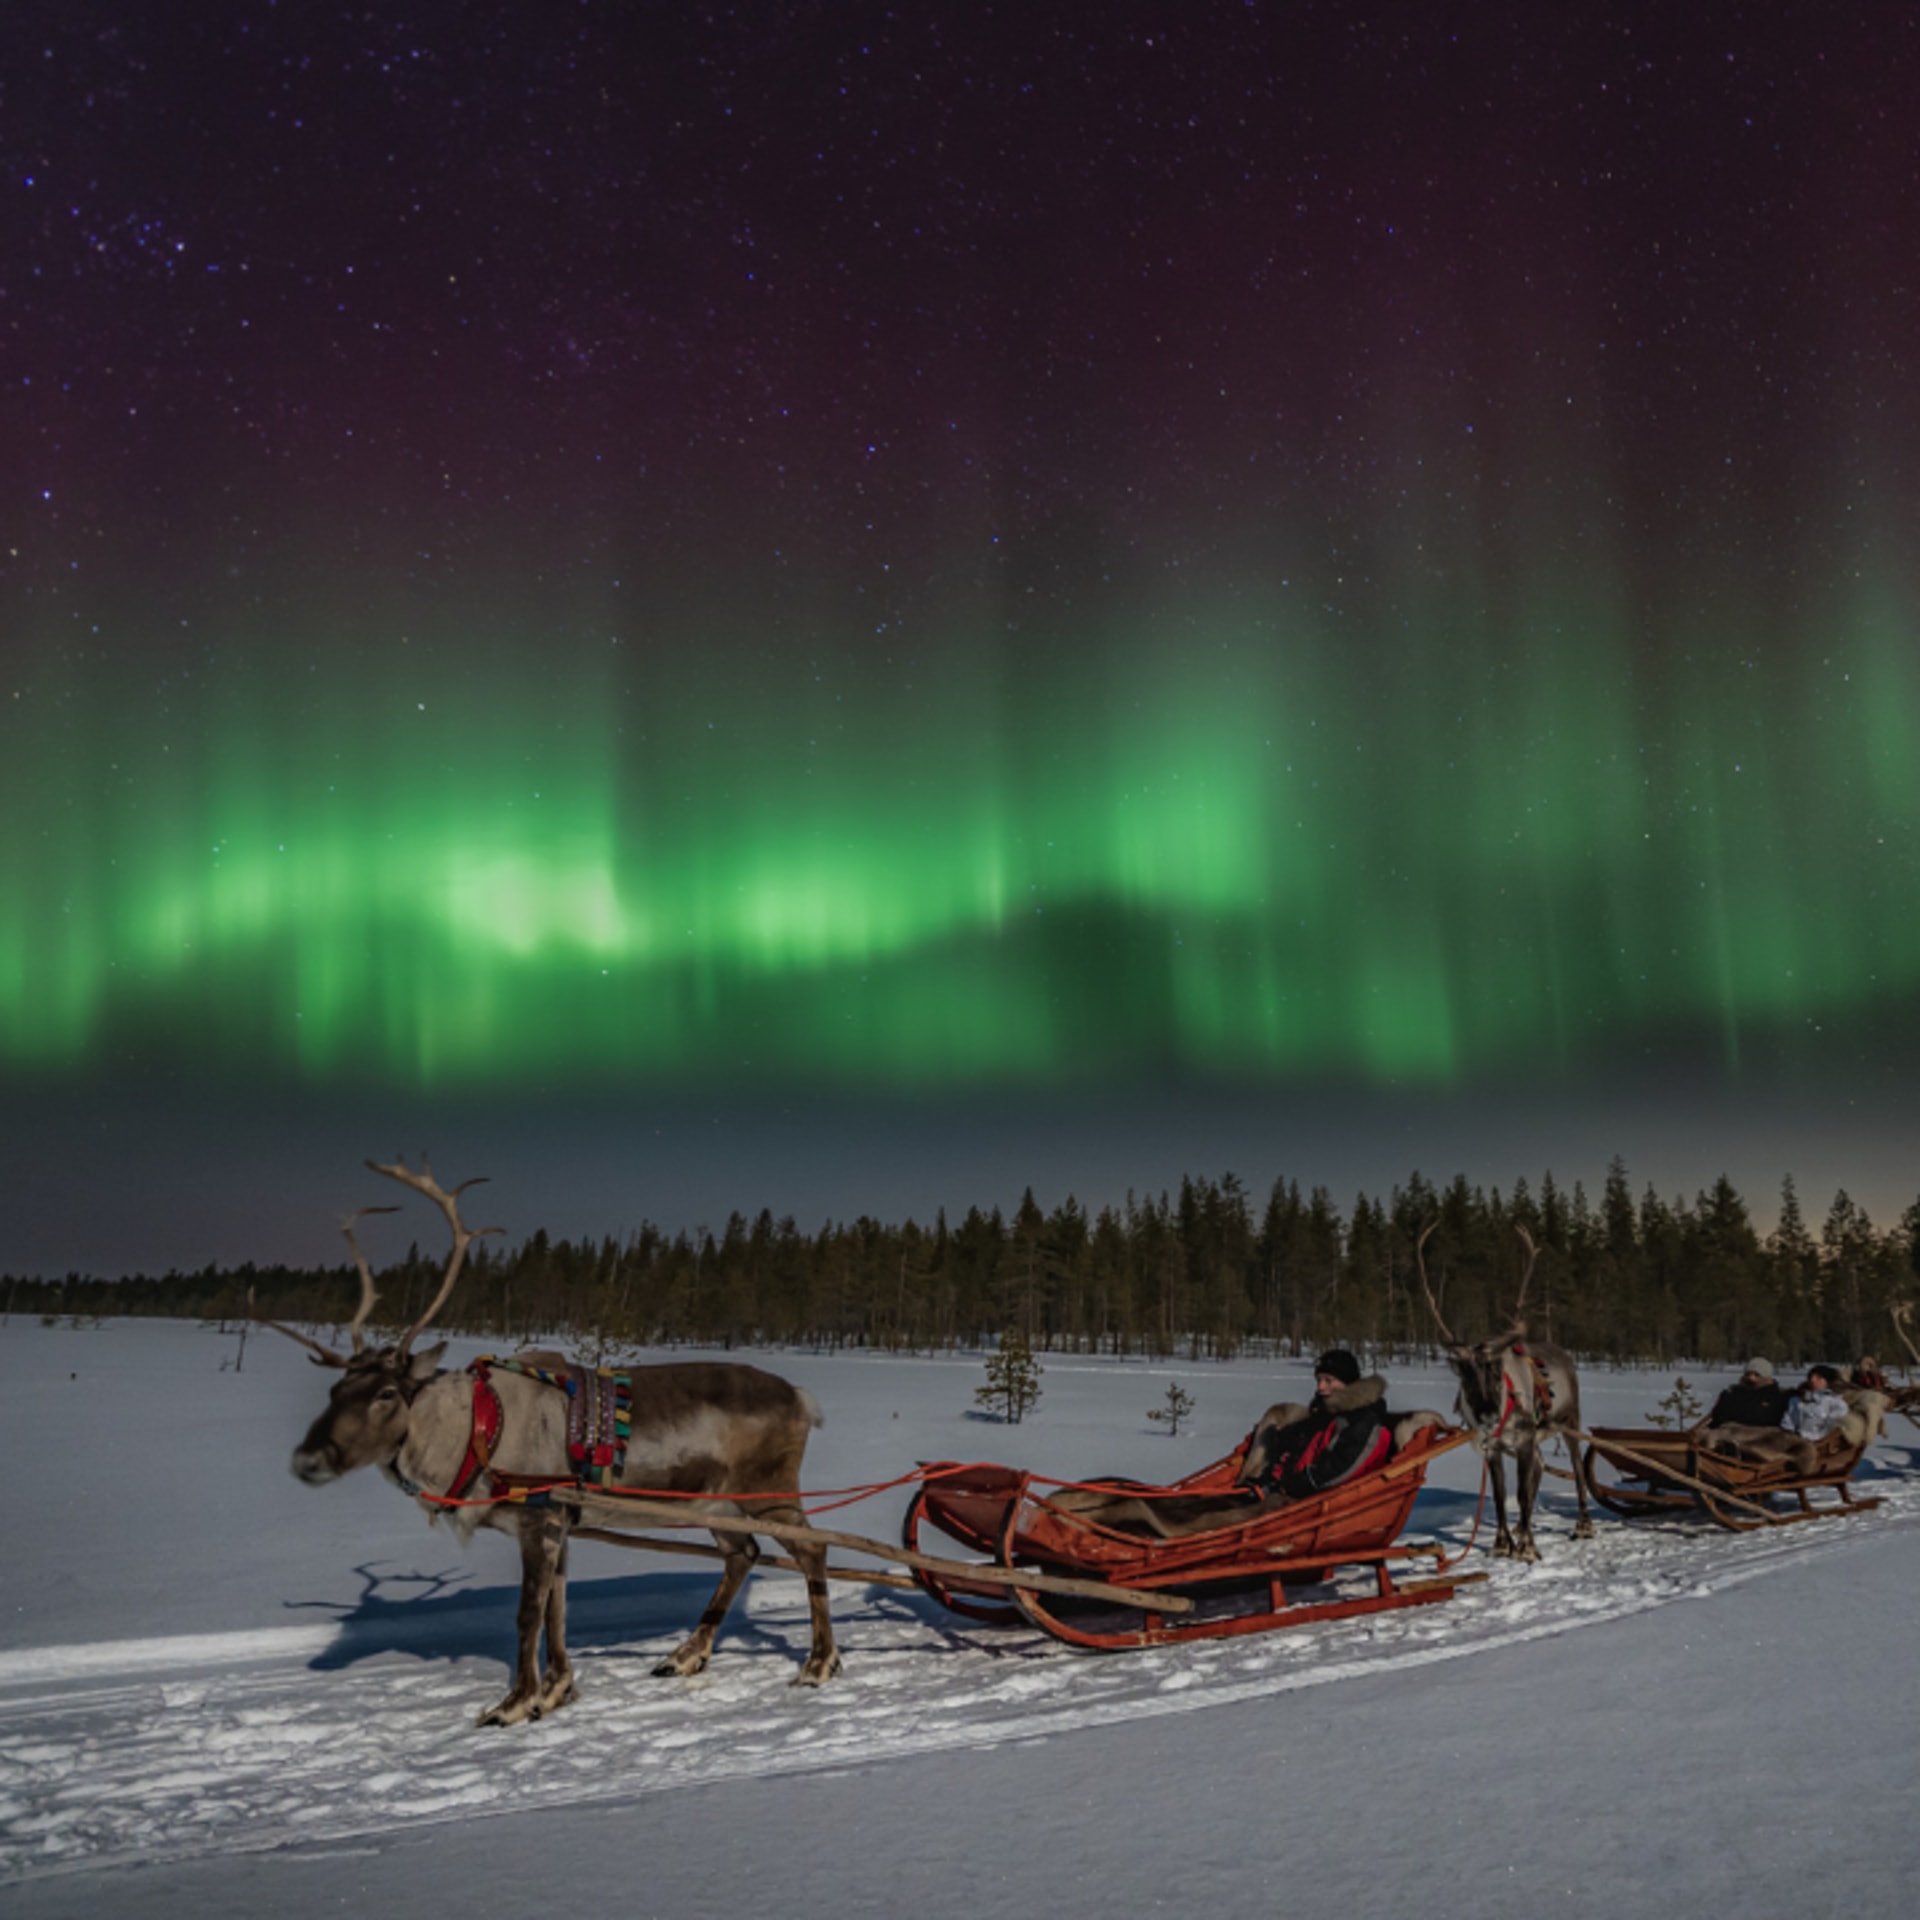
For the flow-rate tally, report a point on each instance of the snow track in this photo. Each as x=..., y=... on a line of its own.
x=170, y=1748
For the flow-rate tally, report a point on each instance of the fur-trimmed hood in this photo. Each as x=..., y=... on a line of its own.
x=1363, y=1393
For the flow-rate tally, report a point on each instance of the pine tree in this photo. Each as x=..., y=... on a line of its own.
x=1794, y=1265
x=1013, y=1379
x=1179, y=1406
x=1846, y=1251
x=1680, y=1408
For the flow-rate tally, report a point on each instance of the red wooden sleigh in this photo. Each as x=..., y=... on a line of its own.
x=1284, y=1567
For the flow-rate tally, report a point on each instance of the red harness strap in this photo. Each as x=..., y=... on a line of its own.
x=486, y=1431
x=1542, y=1391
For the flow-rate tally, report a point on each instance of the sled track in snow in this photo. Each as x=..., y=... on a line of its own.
x=152, y=1750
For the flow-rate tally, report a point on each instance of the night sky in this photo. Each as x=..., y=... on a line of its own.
x=850, y=608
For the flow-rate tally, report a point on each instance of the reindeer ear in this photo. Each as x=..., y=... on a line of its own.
x=423, y=1366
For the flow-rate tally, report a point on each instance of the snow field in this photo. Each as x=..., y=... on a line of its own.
x=246, y=1676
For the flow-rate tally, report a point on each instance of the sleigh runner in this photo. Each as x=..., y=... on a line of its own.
x=1281, y=1567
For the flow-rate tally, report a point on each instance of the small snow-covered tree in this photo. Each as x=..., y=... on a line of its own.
x=1178, y=1407
x=1680, y=1408
x=1013, y=1378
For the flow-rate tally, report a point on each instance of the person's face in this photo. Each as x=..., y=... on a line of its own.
x=1753, y=1379
x=1327, y=1383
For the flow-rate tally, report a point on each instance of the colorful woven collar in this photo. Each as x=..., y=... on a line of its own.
x=599, y=1413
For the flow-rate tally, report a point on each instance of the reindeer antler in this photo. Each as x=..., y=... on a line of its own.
x=322, y=1356
x=319, y=1355
x=367, y=1294
x=1902, y=1311
x=423, y=1182
x=1526, y=1280
x=1420, y=1260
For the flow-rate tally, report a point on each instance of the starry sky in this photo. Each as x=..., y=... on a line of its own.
x=852, y=607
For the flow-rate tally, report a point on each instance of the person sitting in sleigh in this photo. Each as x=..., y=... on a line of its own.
x=1294, y=1453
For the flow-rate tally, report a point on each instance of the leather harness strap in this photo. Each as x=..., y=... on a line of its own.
x=1542, y=1391
x=484, y=1435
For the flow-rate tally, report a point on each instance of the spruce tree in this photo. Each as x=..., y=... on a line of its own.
x=1013, y=1378
x=1178, y=1407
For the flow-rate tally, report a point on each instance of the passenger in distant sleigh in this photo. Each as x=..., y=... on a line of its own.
x=1822, y=1408
x=1756, y=1399
x=1294, y=1453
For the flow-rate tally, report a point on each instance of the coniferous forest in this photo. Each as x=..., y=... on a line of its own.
x=1209, y=1272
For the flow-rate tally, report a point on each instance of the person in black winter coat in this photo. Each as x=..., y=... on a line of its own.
x=1756, y=1399
x=1293, y=1453
x=1344, y=1432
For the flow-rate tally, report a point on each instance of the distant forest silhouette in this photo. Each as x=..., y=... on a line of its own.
x=1206, y=1273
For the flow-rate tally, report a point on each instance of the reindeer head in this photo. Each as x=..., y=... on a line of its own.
x=366, y=1420
x=365, y=1424
x=1482, y=1373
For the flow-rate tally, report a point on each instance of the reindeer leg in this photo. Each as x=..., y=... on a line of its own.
x=543, y=1539
x=693, y=1653
x=556, y=1683
x=823, y=1661
x=1583, y=1527
x=1528, y=1467
x=1497, y=1472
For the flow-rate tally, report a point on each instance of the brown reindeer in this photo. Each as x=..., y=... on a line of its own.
x=1515, y=1393
x=718, y=1432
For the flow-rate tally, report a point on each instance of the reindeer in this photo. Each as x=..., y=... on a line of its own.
x=1905, y=1399
x=721, y=1432
x=1515, y=1393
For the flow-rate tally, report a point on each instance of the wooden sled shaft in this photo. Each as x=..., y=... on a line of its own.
x=659, y=1513
x=776, y=1562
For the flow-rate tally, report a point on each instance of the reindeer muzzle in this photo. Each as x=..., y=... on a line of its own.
x=315, y=1466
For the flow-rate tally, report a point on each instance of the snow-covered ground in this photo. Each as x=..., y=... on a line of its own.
x=221, y=1691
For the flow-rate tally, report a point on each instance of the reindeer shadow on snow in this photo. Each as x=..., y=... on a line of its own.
x=444, y=1617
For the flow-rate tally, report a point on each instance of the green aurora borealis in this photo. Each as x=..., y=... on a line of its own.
x=1282, y=846
x=858, y=609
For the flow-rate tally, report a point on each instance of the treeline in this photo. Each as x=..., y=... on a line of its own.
x=1209, y=1272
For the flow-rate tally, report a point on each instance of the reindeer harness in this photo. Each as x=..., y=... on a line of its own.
x=482, y=1437
x=1542, y=1390
x=599, y=1422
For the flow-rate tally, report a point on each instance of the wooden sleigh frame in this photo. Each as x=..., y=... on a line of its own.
x=1273, y=1571
x=1662, y=1473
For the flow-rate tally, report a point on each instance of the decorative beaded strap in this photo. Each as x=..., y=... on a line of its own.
x=599, y=1415
x=599, y=1421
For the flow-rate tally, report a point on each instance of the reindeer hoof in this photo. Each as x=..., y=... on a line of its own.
x=682, y=1665
x=558, y=1692
x=1584, y=1531
x=817, y=1672
x=511, y=1712
x=1502, y=1549
x=1526, y=1551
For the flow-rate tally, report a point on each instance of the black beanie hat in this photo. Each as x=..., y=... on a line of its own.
x=1341, y=1364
